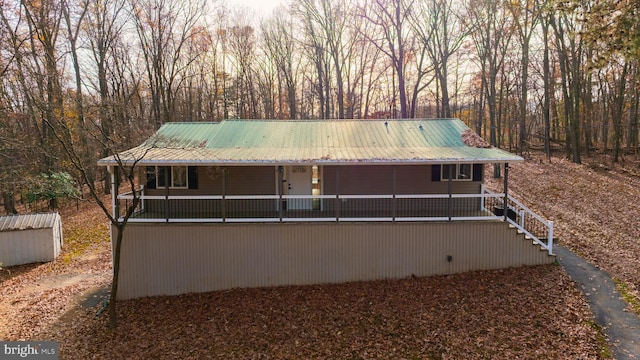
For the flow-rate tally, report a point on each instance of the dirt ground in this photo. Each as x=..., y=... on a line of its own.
x=526, y=313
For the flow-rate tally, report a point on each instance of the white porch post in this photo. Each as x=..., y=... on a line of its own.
x=394, y=209
x=224, y=194
x=506, y=194
x=280, y=170
x=450, y=190
x=167, y=180
x=115, y=207
x=550, y=238
x=337, y=205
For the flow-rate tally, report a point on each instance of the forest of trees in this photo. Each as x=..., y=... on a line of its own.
x=98, y=76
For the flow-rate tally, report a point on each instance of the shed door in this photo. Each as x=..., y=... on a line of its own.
x=299, y=183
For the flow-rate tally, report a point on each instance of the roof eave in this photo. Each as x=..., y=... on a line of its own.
x=184, y=162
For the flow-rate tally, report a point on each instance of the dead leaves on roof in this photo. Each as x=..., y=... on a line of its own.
x=470, y=138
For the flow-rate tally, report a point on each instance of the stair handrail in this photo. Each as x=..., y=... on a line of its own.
x=524, y=226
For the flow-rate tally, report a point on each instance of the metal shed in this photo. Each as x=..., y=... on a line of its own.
x=30, y=238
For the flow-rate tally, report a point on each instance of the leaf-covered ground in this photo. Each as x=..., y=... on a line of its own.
x=525, y=313
x=34, y=296
x=595, y=207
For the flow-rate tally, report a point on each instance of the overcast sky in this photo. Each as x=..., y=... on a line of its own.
x=262, y=7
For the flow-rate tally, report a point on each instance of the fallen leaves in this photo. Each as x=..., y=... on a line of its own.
x=469, y=137
x=528, y=312
x=34, y=296
x=594, y=207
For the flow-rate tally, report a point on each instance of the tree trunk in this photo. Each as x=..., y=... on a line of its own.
x=9, y=202
x=113, y=320
x=547, y=92
x=617, y=115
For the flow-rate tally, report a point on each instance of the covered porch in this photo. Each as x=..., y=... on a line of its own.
x=485, y=206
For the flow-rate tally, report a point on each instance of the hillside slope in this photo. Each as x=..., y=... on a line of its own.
x=595, y=208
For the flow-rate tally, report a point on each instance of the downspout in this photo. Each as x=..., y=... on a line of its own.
x=506, y=193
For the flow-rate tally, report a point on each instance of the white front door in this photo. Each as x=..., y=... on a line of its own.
x=299, y=183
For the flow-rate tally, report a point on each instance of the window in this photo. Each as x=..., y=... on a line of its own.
x=461, y=172
x=178, y=177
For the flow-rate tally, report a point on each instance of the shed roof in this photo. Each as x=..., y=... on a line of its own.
x=244, y=142
x=28, y=221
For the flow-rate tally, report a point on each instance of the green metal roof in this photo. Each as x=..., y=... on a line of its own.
x=238, y=142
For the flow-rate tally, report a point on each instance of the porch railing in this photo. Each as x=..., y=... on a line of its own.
x=524, y=219
x=338, y=208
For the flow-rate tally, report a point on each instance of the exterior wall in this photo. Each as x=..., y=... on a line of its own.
x=378, y=179
x=238, y=180
x=354, y=180
x=343, y=180
x=409, y=179
x=29, y=246
x=171, y=259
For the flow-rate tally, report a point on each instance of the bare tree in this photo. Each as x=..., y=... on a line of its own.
x=391, y=19
x=527, y=14
x=570, y=50
x=546, y=75
x=492, y=39
x=241, y=40
x=281, y=46
x=440, y=32
x=32, y=35
x=164, y=27
x=103, y=28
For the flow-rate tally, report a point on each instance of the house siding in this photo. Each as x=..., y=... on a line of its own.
x=249, y=180
x=171, y=259
x=378, y=179
x=238, y=180
x=409, y=179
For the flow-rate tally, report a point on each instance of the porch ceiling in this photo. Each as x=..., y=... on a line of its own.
x=262, y=142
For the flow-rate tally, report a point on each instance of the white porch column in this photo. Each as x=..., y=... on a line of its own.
x=115, y=206
x=506, y=189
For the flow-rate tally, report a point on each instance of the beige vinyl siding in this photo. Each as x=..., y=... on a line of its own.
x=170, y=259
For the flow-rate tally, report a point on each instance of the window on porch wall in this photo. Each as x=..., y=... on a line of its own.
x=461, y=172
x=179, y=177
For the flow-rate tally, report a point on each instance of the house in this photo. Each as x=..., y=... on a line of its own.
x=30, y=238
x=247, y=203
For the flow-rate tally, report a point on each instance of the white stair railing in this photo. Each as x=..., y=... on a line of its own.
x=524, y=219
